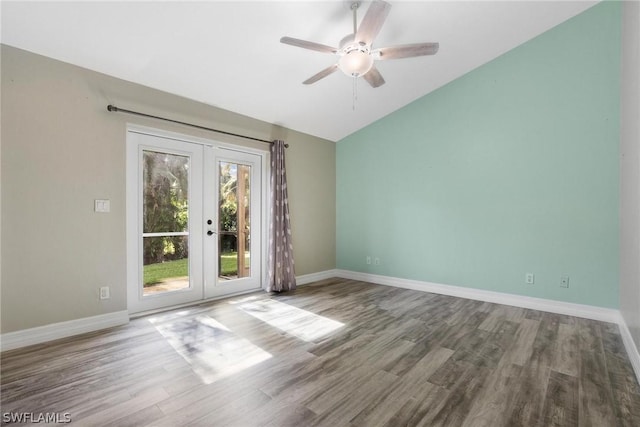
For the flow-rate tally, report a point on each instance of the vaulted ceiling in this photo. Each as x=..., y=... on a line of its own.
x=227, y=53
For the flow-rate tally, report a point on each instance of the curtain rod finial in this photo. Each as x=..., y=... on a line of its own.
x=112, y=108
x=285, y=145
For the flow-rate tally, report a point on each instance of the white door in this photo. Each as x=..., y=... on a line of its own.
x=233, y=247
x=194, y=220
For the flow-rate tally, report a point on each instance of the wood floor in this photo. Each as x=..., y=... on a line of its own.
x=335, y=353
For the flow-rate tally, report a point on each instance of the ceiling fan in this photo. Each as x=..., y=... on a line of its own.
x=355, y=50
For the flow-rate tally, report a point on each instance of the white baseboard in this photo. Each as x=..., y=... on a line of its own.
x=13, y=340
x=305, y=279
x=559, y=307
x=40, y=334
x=630, y=346
x=54, y=331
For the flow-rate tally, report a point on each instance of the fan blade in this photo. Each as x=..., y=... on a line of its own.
x=321, y=75
x=407, y=50
x=308, y=45
x=372, y=22
x=373, y=77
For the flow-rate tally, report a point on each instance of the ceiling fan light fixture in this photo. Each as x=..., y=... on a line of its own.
x=355, y=63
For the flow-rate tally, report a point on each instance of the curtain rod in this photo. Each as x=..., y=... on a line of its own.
x=115, y=109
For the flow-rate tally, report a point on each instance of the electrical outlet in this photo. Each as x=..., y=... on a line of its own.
x=368, y=260
x=376, y=261
x=564, y=281
x=104, y=292
x=529, y=279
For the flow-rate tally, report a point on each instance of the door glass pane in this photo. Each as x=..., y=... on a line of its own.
x=234, y=221
x=166, y=264
x=166, y=222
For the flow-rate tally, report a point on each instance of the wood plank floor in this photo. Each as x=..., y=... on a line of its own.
x=334, y=353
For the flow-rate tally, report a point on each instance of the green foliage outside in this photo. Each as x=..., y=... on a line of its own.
x=159, y=272
x=228, y=197
x=166, y=209
x=166, y=198
x=229, y=263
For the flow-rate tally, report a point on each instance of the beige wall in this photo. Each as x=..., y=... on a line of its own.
x=61, y=149
x=630, y=170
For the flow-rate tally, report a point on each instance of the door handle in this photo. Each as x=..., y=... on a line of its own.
x=210, y=233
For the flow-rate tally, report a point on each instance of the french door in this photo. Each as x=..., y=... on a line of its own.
x=194, y=220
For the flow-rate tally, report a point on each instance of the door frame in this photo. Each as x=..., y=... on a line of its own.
x=133, y=214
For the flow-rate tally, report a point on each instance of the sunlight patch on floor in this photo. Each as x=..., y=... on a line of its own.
x=212, y=349
x=298, y=322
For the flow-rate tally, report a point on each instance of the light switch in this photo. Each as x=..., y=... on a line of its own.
x=102, y=205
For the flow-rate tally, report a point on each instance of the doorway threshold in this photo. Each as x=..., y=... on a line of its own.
x=190, y=304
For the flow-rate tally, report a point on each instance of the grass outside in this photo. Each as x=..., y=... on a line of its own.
x=157, y=273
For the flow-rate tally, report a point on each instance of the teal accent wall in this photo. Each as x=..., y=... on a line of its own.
x=512, y=168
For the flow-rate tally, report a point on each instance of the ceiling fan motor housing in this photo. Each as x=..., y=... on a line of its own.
x=355, y=58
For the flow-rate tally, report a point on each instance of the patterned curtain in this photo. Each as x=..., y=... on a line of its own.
x=281, y=275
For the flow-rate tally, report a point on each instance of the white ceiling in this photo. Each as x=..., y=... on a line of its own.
x=227, y=54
